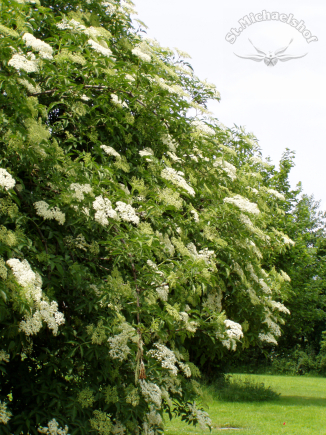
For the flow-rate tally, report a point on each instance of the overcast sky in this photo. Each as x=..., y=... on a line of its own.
x=284, y=105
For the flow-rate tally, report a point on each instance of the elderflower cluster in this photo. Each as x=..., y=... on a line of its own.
x=104, y=210
x=80, y=189
x=116, y=100
x=176, y=177
x=280, y=307
x=174, y=157
x=189, y=326
x=196, y=217
x=99, y=48
x=5, y=415
x=141, y=55
x=44, y=49
x=53, y=429
x=276, y=194
x=6, y=180
x=119, y=348
x=27, y=63
x=285, y=276
x=146, y=152
x=4, y=356
x=166, y=357
x=202, y=128
x=127, y=212
x=227, y=167
x=272, y=326
x=110, y=151
x=170, y=197
x=151, y=392
x=46, y=312
x=163, y=292
x=43, y=209
x=28, y=279
x=202, y=417
x=204, y=254
x=234, y=332
x=265, y=287
x=169, y=142
x=269, y=338
x=243, y=204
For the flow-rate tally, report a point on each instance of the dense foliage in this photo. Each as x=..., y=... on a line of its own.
x=134, y=226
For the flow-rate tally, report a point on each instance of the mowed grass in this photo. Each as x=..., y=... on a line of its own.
x=302, y=407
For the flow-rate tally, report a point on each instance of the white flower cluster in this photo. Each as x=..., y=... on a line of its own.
x=43, y=209
x=269, y=338
x=227, y=167
x=71, y=25
x=127, y=212
x=202, y=128
x=53, y=429
x=285, y=276
x=141, y=55
x=280, y=307
x=27, y=63
x=165, y=356
x=201, y=416
x=234, y=333
x=46, y=312
x=31, y=88
x=151, y=264
x=285, y=238
x=151, y=392
x=276, y=194
x=118, y=343
x=265, y=287
x=189, y=326
x=259, y=233
x=118, y=429
x=104, y=210
x=204, y=254
x=28, y=279
x=6, y=180
x=174, y=157
x=110, y=151
x=170, y=142
x=130, y=78
x=44, y=49
x=110, y=8
x=273, y=327
x=116, y=100
x=146, y=152
x=176, y=177
x=196, y=217
x=163, y=292
x=154, y=418
x=4, y=413
x=4, y=356
x=243, y=204
x=80, y=189
x=259, y=161
x=99, y=48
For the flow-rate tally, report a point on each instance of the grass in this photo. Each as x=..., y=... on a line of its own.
x=301, y=406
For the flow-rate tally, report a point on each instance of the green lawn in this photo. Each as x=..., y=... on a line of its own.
x=302, y=407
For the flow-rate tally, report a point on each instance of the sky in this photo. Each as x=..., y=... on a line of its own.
x=284, y=105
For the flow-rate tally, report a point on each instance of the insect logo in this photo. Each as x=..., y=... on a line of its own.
x=272, y=57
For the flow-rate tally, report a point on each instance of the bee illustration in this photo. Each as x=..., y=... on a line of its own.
x=272, y=57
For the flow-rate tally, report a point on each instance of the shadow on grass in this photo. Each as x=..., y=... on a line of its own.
x=301, y=401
